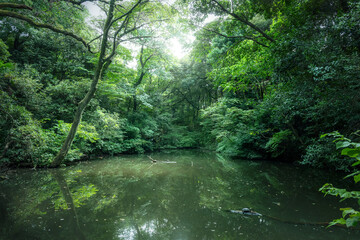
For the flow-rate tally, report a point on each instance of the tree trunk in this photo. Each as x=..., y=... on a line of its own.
x=83, y=103
x=135, y=102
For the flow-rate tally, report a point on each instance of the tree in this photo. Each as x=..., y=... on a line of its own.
x=239, y=20
x=31, y=21
x=117, y=25
x=141, y=74
x=123, y=23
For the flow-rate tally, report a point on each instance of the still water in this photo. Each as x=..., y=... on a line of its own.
x=184, y=195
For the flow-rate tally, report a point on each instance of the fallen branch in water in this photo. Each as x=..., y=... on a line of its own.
x=155, y=161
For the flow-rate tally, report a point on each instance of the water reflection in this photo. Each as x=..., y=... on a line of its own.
x=132, y=198
x=66, y=201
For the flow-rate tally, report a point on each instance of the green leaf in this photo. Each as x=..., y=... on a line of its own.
x=347, y=211
x=357, y=178
x=342, y=144
x=345, y=195
x=351, y=222
x=324, y=135
x=355, y=163
x=337, y=221
x=350, y=152
x=352, y=174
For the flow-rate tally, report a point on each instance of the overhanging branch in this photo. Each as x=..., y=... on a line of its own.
x=14, y=5
x=136, y=37
x=6, y=13
x=235, y=37
x=95, y=39
x=244, y=20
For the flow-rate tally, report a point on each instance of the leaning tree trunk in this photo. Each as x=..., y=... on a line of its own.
x=83, y=103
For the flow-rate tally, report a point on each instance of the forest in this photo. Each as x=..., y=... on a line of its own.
x=274, y=80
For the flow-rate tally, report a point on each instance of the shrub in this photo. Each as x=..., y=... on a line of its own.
x=322, y=153
x=350, y=216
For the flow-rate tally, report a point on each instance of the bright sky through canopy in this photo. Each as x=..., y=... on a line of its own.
x=176, y=48
x=94, y=10
x=174, y=45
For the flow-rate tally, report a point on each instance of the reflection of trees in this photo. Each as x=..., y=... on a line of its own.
x=44, y=199
x=166, y=201
x=284, y=191
x=59, y=177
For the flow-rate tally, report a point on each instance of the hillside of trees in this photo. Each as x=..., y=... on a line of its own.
x=263, y=79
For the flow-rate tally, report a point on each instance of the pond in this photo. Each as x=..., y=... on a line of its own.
x=184, y=195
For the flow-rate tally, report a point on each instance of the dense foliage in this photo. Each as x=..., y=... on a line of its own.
x=278, y=96
x=263, y=80
x=350, y=216
x=45, y=75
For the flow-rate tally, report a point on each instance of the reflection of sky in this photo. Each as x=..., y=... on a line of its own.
x=127, y=233
x=130, y=232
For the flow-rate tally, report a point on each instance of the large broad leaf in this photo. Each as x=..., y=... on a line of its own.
x=347, y=211
x=352, y=221
x=342, y=144
x=350, y=152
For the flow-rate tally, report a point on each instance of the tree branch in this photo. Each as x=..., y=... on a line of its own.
x=136, y=37
x=244, y=20
x=128, y=12
x=122, y=26
x=147, y=59
x=77, y=2
x=14, y=5
x=95, y=39
x=236, y=37
x=82, y=1
x=115, y=43
x=6, y=13
x=186, y=99
x=142, y=62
